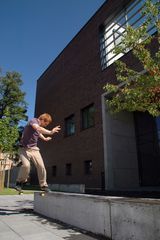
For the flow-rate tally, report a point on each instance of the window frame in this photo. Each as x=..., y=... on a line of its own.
x=67, y=132
x=88, y=170
x=87, y=125
x=68, y=169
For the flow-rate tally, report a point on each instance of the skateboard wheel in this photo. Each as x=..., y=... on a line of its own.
x=42, y=194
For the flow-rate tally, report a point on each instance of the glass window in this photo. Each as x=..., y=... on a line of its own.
x=88, y=167
x=70, y=125
x=54, y=170
x=87, y=115
x=111, y=34
x=68, y=169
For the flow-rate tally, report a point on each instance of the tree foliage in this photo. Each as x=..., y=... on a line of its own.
x=12, y=109
x=8, y=135
x=12, y=97
x=136, y=91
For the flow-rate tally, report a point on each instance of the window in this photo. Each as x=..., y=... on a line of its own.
x=68, y=169
x=88, y=167
x=87, y=115
x=54, y=171
x=69, y=126
x=111, y=33
x=158, y=128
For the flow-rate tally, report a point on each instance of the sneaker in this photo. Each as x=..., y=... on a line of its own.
x=19, y=186
x=45, y=189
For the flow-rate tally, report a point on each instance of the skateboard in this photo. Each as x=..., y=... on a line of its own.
x=20, y=191
x=43, y=193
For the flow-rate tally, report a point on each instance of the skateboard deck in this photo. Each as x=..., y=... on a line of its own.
x=20, y=192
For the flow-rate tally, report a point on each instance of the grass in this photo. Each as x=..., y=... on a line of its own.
x=12, y=191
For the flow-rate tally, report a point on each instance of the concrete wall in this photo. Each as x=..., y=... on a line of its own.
x=115, y=217
x=135, y=219
x=120, y=151
x=89, y=213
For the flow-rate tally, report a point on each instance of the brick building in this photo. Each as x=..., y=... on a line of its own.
x=95, y=148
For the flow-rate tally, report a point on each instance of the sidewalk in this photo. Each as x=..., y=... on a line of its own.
x=18, y=221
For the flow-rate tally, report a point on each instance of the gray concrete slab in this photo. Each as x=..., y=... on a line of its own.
x=18, y=221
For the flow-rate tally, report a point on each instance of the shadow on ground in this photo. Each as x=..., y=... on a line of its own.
x=69, y=232
x=74, y=233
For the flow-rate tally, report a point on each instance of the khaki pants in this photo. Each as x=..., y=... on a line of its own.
x=27, y=155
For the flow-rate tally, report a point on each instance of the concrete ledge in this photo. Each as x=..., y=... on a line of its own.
x=74, y=188
x=114, y=217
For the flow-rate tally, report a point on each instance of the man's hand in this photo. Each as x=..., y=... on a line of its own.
x=47, y=139
x=55, y=129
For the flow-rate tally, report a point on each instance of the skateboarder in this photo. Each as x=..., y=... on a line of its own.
x=35, y=129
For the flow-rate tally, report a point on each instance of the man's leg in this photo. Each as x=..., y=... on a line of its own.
x=39, y=164
x=25, y=168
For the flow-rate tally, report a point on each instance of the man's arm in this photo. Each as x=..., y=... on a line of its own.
x=46, y=139
x=46, y=131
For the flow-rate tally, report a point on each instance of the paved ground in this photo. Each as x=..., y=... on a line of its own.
x=18, y=221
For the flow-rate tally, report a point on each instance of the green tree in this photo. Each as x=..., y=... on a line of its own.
x=12, y=98
x=8, y=135
x=138, y=91
x=12, y=110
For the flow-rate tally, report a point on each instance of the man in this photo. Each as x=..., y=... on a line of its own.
x=34, y=130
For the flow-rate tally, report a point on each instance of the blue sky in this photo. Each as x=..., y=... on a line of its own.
x=34, y=32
